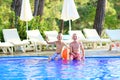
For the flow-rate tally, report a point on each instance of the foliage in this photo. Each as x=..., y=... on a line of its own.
x=51, y=16
x=111, y=20
x=6, y=16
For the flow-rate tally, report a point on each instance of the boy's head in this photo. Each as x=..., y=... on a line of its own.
x=74, y=37
x=59, y=36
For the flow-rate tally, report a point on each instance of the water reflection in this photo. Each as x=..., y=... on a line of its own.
x=37, y=68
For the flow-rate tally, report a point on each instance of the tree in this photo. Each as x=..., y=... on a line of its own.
x=99, y=18
x=16, y=7
x=38, y=7
x=61, y=26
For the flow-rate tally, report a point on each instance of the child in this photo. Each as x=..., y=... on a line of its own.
x=59, y=46
x=76, y=49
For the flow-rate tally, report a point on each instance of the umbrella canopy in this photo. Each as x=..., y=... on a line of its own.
x=26, y=13
x=69, y=12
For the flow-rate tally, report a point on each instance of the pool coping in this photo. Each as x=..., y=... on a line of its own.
x=47, y=56
x=88, y=53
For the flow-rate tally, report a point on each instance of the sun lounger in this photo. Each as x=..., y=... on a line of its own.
x=92, y=35
x=114, y=36
x=12, y=36
x=36, y=38
x=52, y=36
x=6, y=47
x=87, y=42
x=66, y=39
x=81, y=37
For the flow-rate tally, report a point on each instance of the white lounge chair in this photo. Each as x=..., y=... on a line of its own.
x=52, y=36
x=36, y=38
x=67, y=39
x=92, y=35
x=81, y=37
x=87, y=42
x=6, y=47
x=12, y=36
x=114, y=35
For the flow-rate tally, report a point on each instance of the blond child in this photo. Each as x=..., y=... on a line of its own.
x=76, y=49
x=59, y=47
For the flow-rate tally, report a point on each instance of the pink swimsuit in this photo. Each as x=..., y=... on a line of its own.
x=76, y=56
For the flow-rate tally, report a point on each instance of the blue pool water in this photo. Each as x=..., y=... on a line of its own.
x=38, y=68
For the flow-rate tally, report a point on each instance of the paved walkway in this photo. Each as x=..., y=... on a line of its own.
x=88, y=53
x=102, y=53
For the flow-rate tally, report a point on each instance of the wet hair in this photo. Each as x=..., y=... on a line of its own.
x=60, y=33
x=74, y=34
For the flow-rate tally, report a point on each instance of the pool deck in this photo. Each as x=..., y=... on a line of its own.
x=103, y=52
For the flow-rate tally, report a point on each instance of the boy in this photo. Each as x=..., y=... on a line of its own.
x=59, y=46
x=76, y=49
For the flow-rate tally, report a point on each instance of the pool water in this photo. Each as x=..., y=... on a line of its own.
x=38, y=68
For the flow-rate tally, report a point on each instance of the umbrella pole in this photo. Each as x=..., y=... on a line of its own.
x=69, y=26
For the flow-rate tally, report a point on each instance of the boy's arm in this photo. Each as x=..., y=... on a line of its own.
x=82, y=48
x=71, y=50
x=48, y=41
x=66, y=46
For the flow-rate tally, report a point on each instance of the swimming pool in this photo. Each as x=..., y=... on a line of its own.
x=38, y=68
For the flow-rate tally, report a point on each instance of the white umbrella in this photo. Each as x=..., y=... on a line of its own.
x=69, y=12
x=26, y=13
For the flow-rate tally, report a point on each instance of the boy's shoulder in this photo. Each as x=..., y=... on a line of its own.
x=58, y=42
x=63, y=42
x=77, y=42
x=71, y=42
x=80, y=42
